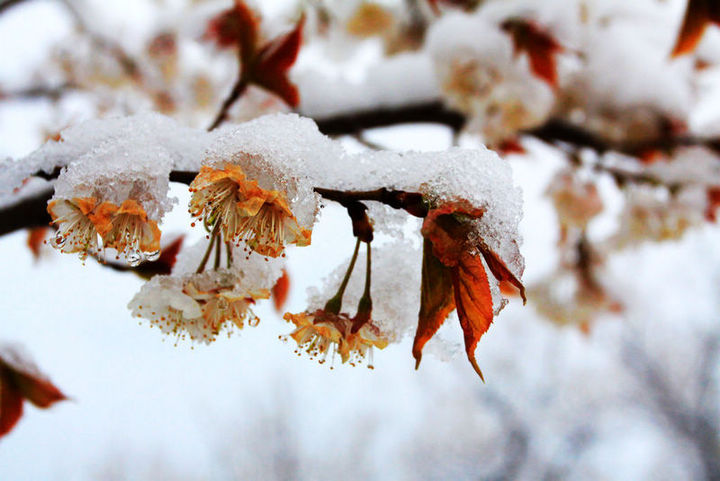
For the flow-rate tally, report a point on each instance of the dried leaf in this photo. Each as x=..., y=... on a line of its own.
x=164, y=264
x=500, y=270
x=511, y=146
x=39, y=391
x=436, y=300
x=35, y=239
x=20, y=379
x=10, y=405
x=698, y=15
x=280, y=291
x=713, y=202
x=540, y=46
x=235, y=27
x=273, y=62
x=448, y=232
x=474, y=303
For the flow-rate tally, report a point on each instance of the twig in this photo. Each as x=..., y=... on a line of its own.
x=40, y=91
x=237, y=90
x=126, y=62
x=7, y=4
x=354, y=122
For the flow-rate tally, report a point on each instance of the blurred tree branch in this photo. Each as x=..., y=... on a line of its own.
x=699, y=428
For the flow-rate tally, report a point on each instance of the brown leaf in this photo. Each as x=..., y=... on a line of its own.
x=273, y=62
x=500, y=270
x=474, y=303
x=698, y=15
x=164, y=263
x=511, y=146
x=540, y=46
x=436, y=300
x=10, y=404
x=39, y=391
x=448, y=231
x=280, y=291
x=713, y=202
x=235, y=27
x=35, y=239
x=20, y=379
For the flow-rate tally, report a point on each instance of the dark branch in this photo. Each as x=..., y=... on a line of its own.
x=412, y=202
x=354, y=122
x=236, y=92
x=126, y=62
x=556, y=130
x=37, y=92
x=7, y=4
x=30, y=212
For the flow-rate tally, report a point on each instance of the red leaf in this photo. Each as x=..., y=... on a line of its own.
x=10, y=404
x=446, y=228
x=474, y=303
x=273, y=62
x=540, y=46
x=235, y=27
x=698, y=15
x=280, y=53
x=500, y=270
x=436, y=300
x=282, y=87
x=35, y=238
x=447, y=234
x=39, y=391
x=280, y=291
x=20, y=379
x=164, y=263
x=511, y=146
x=713, y=202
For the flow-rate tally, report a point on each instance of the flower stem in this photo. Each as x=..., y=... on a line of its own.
x=218, y=246
x=228, y=249
x=364, y=309
x=237, y=91
x=335, y=303
x=205, y=258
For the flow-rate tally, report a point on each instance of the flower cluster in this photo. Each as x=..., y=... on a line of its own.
x=86, y=226
x=243, y=211
x=321, y=332
x=198, y=306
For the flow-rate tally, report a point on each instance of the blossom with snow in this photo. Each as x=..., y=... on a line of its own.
x=320, y=332
x=198, y=306
x=244, y=211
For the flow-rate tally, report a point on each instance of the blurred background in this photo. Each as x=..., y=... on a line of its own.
x=610, y=372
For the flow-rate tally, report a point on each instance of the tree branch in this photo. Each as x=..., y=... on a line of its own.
x=554, y=131
x=40, y=91
x=126, y=62
x=7, y=4
x=30, y=212
x=353, y=122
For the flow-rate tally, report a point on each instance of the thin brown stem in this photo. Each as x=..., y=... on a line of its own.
x=412, y=202
x=237, y=91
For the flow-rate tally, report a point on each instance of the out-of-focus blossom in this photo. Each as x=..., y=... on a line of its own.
x=656, y=215
x=576, y=202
